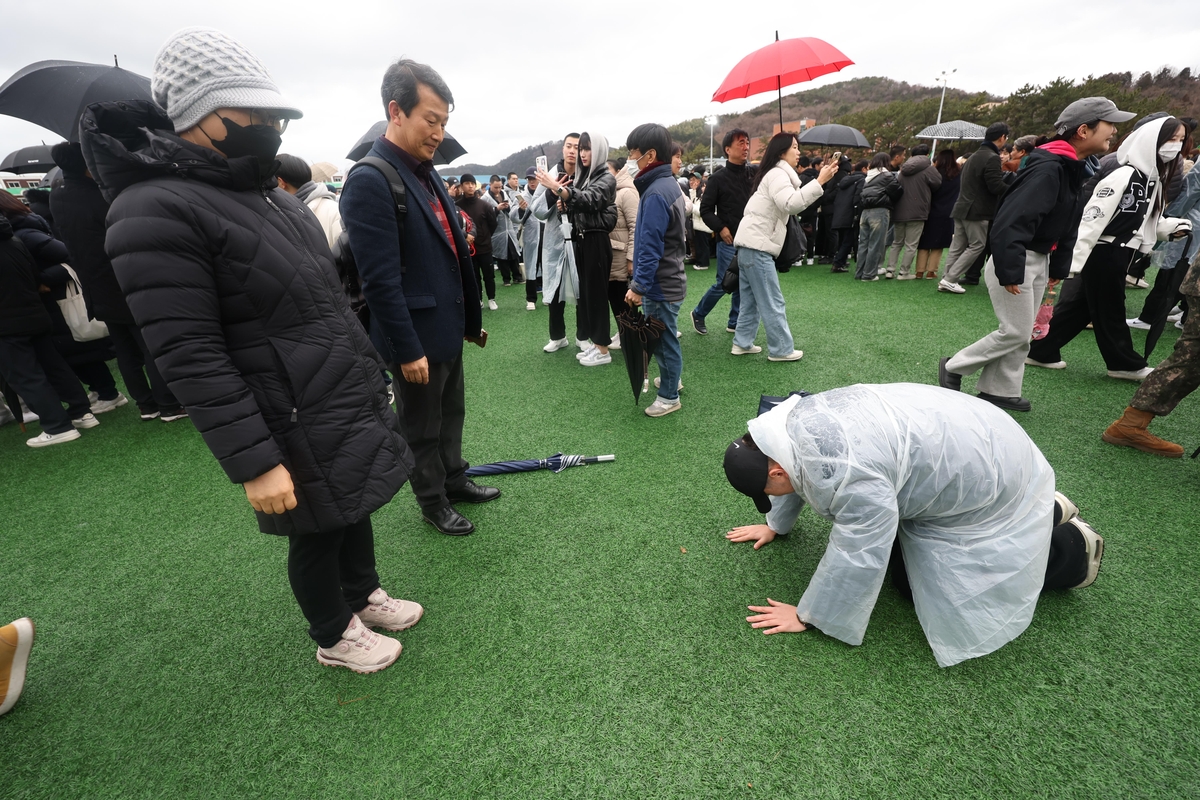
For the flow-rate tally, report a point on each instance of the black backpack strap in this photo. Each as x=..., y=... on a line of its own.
x=399, y=191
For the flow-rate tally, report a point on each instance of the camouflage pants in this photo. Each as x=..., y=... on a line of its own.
x=1178, y=376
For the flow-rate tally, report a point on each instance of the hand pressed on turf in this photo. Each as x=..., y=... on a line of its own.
x=272, y=492
x=776, y=618
x=759, y=534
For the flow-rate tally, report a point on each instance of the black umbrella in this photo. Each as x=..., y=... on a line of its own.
x=35, y=158
x=1161, y=313
x=834, y=136
x=447, y=151
x=50, y=177
x=555, y=463
x=54, y=94
x=639, y=337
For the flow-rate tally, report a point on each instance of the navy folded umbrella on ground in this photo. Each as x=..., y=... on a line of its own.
x=639, y=338
x=54, y=94
x=447, y=151
x=555, y=463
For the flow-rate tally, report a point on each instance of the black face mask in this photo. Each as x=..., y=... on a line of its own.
x=260, y=141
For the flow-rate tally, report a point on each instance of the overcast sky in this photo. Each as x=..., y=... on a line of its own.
x=524, y=73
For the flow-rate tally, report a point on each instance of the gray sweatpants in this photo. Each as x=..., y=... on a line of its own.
x=970, y=237
x=908, y=235
x=1001, y=354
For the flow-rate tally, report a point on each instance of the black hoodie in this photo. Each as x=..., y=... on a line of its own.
x=21, y=309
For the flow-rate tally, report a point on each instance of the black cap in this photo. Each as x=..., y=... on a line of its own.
x=746, y=469
x=531, y=173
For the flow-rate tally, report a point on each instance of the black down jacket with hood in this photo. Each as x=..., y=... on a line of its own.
x=234, y=288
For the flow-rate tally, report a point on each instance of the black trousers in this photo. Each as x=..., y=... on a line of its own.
x=487, y=275
x=143, y=381
x=593, y=255
x=96, y=376
x=703, y=248
x=845, y=241
x=532, y=285
x=332, y=575
x=510, y=270
x=558, y=318
x=431, y=420
x=35, y=369
x=616, y=298
x=1099, y=298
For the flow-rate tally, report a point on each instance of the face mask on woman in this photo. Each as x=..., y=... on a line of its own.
x=1169, y=151
x=260, y=141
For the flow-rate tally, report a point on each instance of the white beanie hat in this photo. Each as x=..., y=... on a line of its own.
x=199, y=70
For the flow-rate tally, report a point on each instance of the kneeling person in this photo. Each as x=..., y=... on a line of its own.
x=955, y=481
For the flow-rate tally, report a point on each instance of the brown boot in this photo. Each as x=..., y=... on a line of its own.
x=1130, y=431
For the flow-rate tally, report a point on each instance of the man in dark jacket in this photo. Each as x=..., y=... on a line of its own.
x=845, y=214
x=918, y=178
x=231, y=280
x=483, y=214
x=421, y=288
x=81, y=210
x=1032, y=242
x=29, y=362
x=721, y=208
x=982, y=185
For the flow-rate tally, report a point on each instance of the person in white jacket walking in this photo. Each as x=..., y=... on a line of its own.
x=295, y=178
x=777, y=195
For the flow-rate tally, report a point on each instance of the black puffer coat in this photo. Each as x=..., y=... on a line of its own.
x=234, y=288
x=21, y=309
x=79, y=212
x=594, y=207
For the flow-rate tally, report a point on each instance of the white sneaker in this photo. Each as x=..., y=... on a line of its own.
x=46, y=439
x=146, y=417
x=583, y=344
x=6, y=416
x=555, y=345
x=1095, y=551
x=530, y=306
x=742, y=351
x=660, y=407
x=100, y=406
x=174, y=416
x=658, y=384
x=1044, y=365
x=86, y=421
x=906, y=277
x=29, y=416
x=1179, y=324
x=1137, y=324
x=889, y=274
x=389, y=613
x=585, y=352
x=953, y=288
x=595, y=358
x=361, y=650
x=616, y=343
x=1176, y=317
x=1136, y=283
x=492, y=305
x=1131, y=375
x=1069, y=510
x=795, y=355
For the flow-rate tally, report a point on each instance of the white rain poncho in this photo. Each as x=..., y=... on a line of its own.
x=954, y=479
x=558, y=256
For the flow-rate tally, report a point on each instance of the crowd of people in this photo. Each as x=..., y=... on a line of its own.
x=286, y=320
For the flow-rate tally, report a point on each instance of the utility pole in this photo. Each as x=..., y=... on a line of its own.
x=944, y=79
x=711, y=121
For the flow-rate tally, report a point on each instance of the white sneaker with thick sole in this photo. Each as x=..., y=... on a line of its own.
x=86, y=421
x=616, y=343
x=173, y=417
x=658, y=384
x=595, y=358
x=952, y=288
x=555, y=345
x=1131, y=375
x=1069, y=510
x=101, y=406
x=1095, y=551
x=389, y=613
x=585, y=352
x=361, y=650
x=44, y=439
x=1137, y=324
x=1045, y=364
x=16, y=640
x=1175, y=317
x=660, y=407
x=530, y=306
x=492, y=305
x=906, y=277
x=745, y=351
x=1136, y=283
x=795, y=355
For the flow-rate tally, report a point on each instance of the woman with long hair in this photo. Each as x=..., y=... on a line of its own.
x=939, y=228
x=776, y=195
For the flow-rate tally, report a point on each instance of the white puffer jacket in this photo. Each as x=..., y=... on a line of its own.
x=779, y=196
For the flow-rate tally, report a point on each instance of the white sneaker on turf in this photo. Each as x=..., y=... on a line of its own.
x=86, y=421
x=1136, y=283
x=360, y=649
x=616, y=343
x=1069, y=510
x=582, y=354
x=660, y=407
x=181, y=414
x=147, y=416
x=595, y=358
x=46, y=439
x=100, y=406
x=1137, y=324
x=1095, y=551
x=1131, y=374
x=530, y=306
x=1179, y=324
x=492, y=305
x=1045, y=365
x=389, y=613
x=583, y=344
x=6, y=416
x=742, y=351
x=29, y=416
x=93, y=397
x=795, y=355
x=658, y=384
x=1175, y=317
x=556, y=345
x=953, y=288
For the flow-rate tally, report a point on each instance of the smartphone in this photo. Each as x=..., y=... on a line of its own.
x=540, y=161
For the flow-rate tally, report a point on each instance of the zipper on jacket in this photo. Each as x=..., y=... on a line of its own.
x=294, y=413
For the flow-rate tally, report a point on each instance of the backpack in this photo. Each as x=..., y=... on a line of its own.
x=343, y=258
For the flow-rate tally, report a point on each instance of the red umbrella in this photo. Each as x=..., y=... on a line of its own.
x=778, y=65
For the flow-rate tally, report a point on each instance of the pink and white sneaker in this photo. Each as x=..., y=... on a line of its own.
x=361, y=650
x=389, y=613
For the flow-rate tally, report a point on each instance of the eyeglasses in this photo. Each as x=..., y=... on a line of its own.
x=259, y=117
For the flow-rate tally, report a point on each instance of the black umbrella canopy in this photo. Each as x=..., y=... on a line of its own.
x=28, y=159
x=834, y=136
x=447, y=151
x=54, y=94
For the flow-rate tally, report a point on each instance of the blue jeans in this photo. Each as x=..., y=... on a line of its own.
x=759, y=283
x=872, y=235
x=668, y=354
x=715, y=292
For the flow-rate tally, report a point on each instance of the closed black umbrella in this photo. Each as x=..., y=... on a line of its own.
x=54, y=94
x=834, y=136
x=639, y=338
x=447, y=151
x=35, y=158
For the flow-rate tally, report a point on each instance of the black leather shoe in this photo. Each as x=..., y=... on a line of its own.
x=947, y=379
x=837, y=269
x=472, y=493
x=698, y=324
x=449, y=521
x=1010, y=403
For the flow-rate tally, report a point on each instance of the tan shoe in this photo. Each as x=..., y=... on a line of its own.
x=1130, y=431
x=16, y=640
x=360, y=649
x=389, y=613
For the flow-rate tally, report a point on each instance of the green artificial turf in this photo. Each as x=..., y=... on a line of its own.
x=571, y=647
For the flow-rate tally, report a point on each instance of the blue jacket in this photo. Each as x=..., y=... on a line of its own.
x=660, y=242
x=426, y=310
